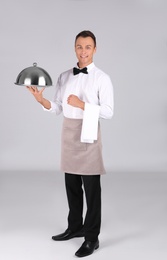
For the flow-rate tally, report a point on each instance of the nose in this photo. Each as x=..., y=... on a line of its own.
x=83, y=51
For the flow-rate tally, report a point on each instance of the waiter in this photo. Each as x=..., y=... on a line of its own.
x=84, y=94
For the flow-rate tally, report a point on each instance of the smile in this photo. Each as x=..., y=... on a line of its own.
x=83, y=57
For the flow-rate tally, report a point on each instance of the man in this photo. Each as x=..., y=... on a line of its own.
x=84, y=94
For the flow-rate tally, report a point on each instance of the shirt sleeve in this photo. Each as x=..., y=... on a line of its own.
x=106, y=98
x=56, y=104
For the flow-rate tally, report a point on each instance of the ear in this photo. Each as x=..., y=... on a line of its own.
x=95, y=50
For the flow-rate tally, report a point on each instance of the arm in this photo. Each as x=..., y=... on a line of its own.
x=38, y=94
x=54, y=106
x=106, y=98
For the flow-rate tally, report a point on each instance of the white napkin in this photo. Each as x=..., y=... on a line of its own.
x=90, y=123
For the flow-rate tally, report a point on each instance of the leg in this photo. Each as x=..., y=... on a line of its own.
x=75, y=201
x=93, y=199
x=93, y=216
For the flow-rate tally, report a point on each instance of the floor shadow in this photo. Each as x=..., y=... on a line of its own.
x=121, y=239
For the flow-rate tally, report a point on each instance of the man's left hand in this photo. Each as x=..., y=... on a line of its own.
x=74, y=101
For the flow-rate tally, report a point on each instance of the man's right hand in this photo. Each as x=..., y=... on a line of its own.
x=38, y=94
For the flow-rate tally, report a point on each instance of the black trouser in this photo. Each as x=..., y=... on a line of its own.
x=74, y=191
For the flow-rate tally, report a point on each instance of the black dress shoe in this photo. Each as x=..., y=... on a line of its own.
x=87, y=248
x=68, y=234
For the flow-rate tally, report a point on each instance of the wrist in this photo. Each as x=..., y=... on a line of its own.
x=82, y=105
x=41, y=101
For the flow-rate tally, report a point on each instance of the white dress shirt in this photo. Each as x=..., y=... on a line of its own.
x=93, y=88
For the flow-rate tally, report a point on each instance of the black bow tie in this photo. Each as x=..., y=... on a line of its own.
x=77, y=71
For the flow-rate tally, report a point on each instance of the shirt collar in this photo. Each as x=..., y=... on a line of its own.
x=90, y=66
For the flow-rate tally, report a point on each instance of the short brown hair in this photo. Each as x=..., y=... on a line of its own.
x=85, y=34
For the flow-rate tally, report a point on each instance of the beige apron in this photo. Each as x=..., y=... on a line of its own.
x=77, y=157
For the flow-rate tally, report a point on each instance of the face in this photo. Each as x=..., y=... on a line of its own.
x=85, y=49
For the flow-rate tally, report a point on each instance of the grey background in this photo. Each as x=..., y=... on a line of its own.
x=132, y=49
